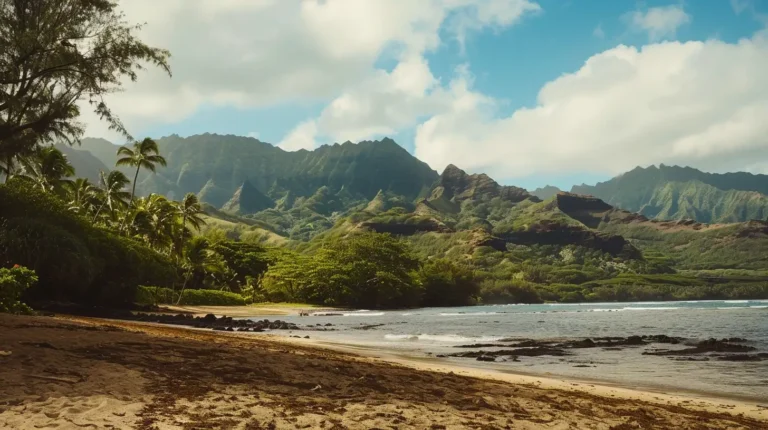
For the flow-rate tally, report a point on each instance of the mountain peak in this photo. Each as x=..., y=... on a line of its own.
x=248, y=200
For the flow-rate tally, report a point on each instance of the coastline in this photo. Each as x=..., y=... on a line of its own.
x=85, y=372
x=705, y=400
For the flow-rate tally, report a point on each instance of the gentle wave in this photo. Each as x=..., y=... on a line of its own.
x=650, y=309
x=456, y=314
x=758, y=307
x=440, y=338
x=363, y=314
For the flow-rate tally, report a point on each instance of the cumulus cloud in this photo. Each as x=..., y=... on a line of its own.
x=252, y=53
x=659, y=22
x=384, y=102
x=693, y=103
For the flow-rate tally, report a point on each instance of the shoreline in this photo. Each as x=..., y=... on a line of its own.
x=592, y=386
x=87, y=372
x=707, y=401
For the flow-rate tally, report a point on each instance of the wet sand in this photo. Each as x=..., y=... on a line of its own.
x=84, y=373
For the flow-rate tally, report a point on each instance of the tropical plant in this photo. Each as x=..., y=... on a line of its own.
x=57, y=54
x=113, y=194
x=48, y=168
x=191, y=213
x=144, y=154
x=13, y=283
x=199, y=262
x=82, y=196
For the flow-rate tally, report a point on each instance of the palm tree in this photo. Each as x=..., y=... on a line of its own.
x=199, y=260
x=154, y=219
x=48, y=168
x=113, y=192
x=81, y=196
x=144, y=154
x=191, y=212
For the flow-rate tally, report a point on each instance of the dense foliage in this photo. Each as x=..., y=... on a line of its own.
x=673, y=193
x=73, y=259
x=13, y=283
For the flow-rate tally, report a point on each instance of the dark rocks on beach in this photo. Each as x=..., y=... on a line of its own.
x=522, y=352
x=706, y=346
x=210, y=321
x=740, y=357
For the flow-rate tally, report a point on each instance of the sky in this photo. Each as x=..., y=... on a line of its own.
x=558, y=92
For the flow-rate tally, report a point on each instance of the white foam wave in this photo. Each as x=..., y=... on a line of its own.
x=650, y=309
x=364, y=314
x=440, y=338
x=758, y=307
x=735, y=301
x=407, y=314
x=456, y=314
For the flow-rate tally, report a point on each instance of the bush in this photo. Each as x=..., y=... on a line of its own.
x=13, y=282
x=73, y=260
x=158, y=295
x=211, y=298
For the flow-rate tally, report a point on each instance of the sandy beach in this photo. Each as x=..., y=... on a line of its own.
x=84, y=373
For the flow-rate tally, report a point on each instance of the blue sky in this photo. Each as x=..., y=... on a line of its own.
x=509, y=63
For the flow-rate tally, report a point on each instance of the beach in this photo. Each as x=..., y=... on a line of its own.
x=85, y=373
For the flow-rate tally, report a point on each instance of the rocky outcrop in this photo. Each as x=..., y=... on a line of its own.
x=548, y=232
x=456, y=185
x=248, y=200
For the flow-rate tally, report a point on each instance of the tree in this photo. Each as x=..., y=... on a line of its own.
x=199, y=261
x=191, y=212
x=447, y=284
x=113, y=193
x=144, y=154
x=154, y=219
x=48, y=168
x=57, y=55
x=82, y=196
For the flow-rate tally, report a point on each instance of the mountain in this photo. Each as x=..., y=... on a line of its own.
x=214, y=165
x=102, y=149
x=248, y=200
x=85, y=163
x=673, y=193
x=546, y=192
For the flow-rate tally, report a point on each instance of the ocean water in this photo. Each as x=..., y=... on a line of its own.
x=437, y=331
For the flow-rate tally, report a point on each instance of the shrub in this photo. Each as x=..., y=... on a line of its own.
x=74, y=260
x=13, y=282
x=167, y=296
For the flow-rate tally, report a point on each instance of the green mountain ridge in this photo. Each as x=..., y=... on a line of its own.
x=673, y=193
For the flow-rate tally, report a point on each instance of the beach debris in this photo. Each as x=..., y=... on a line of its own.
x=5, y=353
x=56, y=378
x=317, y=387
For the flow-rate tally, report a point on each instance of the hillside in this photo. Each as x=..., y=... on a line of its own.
x=674, y=193
x=85, y=163
x=567, y=246
x=546, y=192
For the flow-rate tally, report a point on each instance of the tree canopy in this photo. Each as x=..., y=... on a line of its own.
x=57, y=55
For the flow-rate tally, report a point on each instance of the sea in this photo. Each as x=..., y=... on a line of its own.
x=431, y=332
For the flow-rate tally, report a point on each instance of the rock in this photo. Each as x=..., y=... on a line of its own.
x=486, y=358
x=210, y=317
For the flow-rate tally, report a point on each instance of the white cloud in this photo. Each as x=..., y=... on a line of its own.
x=250, y=53
x=385, y=102
x=696, y=103
x=253, y=134
x=598, y=32
x=658, y=22
x=302, y=137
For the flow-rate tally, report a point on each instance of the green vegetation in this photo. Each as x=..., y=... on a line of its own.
x=166, y=296
x=673, y=193
x=13, y=283
x=359, y=225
